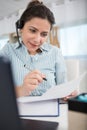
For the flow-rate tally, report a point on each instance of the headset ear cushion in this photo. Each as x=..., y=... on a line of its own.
x=19, y=24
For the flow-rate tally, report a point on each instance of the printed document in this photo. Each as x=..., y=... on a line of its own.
x=55, y=92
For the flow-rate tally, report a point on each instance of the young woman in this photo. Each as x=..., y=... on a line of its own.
x=36, y=65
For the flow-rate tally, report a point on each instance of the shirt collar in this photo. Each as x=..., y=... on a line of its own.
x=45, y=47
x=16, y=45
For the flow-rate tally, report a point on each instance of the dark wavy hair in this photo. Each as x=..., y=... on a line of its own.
x=37, y=9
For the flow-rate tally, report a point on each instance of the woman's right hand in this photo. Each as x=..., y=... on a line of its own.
x=30, y=82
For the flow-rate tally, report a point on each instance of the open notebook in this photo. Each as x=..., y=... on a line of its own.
x=9, y=118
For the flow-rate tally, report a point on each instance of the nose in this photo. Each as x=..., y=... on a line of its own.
x=37, y=38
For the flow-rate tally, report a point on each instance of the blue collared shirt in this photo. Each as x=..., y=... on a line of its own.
x=50, y=62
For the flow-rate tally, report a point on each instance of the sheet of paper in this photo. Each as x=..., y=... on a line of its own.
x=55, y=92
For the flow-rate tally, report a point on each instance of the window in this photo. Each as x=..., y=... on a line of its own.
x=73, y=40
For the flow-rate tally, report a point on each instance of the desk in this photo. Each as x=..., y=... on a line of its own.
x=62, y=119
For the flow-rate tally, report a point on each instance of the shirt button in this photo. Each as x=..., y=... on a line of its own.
x=30, y=68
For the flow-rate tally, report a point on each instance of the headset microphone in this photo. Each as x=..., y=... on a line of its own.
x=19, y=24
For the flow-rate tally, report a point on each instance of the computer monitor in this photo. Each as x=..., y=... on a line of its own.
x=8, y=109
x=9, y=117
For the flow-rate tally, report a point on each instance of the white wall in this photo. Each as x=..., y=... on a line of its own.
x=7, y=25
x=83, y=68
x=69, y=12
x=76, y=67
x=72, y=11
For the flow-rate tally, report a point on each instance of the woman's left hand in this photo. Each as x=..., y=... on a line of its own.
x=73, y=94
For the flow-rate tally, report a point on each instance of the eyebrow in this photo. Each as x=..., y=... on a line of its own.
x=37, y=29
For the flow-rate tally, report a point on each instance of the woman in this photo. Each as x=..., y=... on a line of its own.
x=32, y=59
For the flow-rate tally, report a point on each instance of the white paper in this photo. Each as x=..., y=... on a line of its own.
x=55, y=92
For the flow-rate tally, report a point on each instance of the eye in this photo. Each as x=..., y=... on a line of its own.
x=32, y=30
x=44, y=34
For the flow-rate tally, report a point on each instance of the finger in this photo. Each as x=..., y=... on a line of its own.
x=66, y=98
x=34, y=76
x=31, y=87
x=33, y=82
x=38, y=73
x=75, y=93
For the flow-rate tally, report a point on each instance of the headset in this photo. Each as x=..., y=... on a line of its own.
x=19, y=25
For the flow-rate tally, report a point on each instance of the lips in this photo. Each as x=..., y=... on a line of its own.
x=33, y=45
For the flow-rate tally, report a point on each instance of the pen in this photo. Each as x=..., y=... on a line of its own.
x=31, y=70
x=45, y=79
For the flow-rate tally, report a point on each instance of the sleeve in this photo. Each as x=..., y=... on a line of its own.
x=60, y=68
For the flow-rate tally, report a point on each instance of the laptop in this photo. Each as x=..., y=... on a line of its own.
x=9, y=116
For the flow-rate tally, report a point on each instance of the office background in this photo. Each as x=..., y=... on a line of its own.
x=71, y=20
